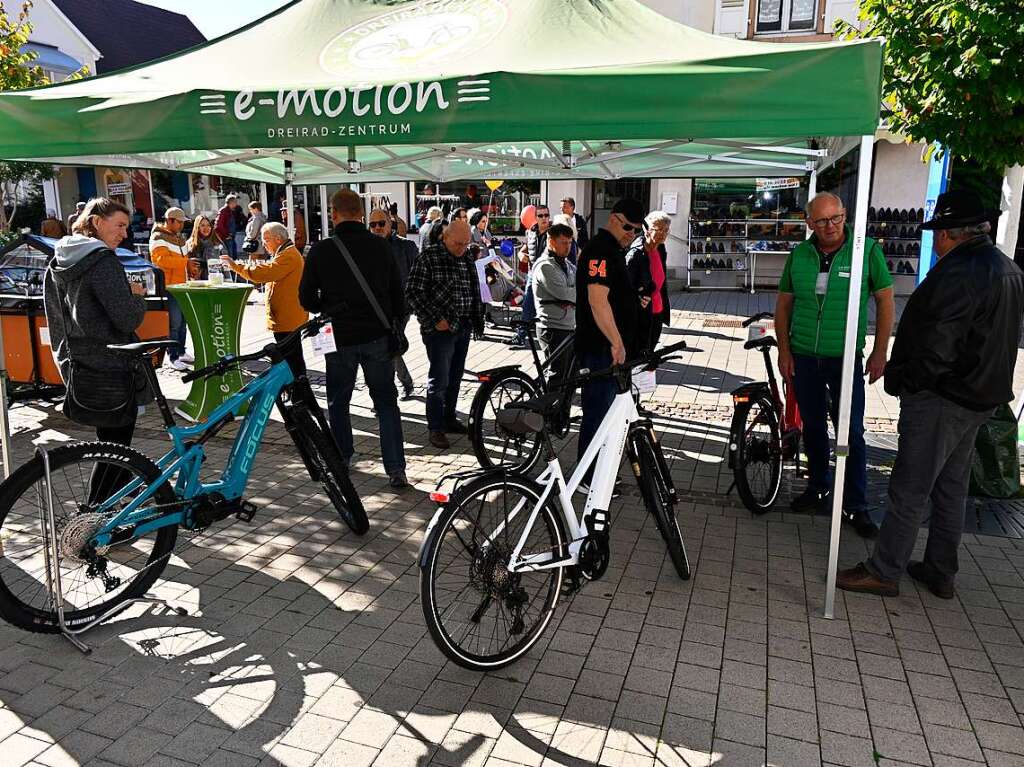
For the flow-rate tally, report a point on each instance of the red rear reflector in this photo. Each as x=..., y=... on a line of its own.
x=740, y=398
x=483, y=379
x=439, y=497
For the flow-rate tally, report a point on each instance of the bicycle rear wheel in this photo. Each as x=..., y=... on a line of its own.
x=757, y=441
x=322, y=451
x=493, y=445
x=479, y=614
x=658, y=499
x=83, y=475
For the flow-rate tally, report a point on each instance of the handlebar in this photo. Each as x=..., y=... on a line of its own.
x=757, y=318
x=650, y=361
x=272, y=351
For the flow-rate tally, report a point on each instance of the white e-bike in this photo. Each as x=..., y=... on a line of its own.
x=503, y=547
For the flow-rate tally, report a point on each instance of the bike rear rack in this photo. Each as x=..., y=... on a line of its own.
x=51, y=555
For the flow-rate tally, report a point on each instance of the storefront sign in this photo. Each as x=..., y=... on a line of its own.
x=771, y=184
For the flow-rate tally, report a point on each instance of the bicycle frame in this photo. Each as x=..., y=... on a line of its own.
x=605, y=453
x=185, y=459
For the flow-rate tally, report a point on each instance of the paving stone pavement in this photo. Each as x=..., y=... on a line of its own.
x=304, y=645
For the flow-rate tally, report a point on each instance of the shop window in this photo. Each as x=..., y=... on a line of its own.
x=502, y=204
x=786, y=16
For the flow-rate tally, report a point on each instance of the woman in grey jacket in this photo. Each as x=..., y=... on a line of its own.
x=89, y=302
x=554, y=289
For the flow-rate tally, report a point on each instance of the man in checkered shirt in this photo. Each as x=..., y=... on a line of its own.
x=444, y=293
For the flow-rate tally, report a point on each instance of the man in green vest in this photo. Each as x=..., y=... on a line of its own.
x=810, y=324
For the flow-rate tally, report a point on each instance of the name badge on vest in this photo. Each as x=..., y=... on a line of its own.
x=844, y=274
x=822, y=284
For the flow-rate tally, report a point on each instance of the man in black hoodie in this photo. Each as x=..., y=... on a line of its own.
x=329, y=285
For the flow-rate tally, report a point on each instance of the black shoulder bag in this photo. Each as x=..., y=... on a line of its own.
x=398, y=344
x=98, y=398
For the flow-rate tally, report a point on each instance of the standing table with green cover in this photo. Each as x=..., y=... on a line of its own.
x=214, y=318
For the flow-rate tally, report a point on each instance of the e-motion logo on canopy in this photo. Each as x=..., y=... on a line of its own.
x=416, y=35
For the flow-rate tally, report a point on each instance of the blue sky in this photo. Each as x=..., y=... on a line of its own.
x=217, y=18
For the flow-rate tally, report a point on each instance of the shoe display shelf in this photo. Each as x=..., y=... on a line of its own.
x=731, y=254
x=898, y=231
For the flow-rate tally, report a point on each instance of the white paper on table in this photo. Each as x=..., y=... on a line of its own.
x=644, y=381
x=323, y=342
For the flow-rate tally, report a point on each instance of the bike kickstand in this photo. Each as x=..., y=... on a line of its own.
x=51, y=555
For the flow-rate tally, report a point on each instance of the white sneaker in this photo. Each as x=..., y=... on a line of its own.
x=187, y=358
x=179, y=364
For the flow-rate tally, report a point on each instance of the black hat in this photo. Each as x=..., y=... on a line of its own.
x=957, y=208
x=633, y=210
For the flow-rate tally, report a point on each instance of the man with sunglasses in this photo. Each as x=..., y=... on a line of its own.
x=810, y=325
x=405, y=253
x=535, y=247
x=606, y=310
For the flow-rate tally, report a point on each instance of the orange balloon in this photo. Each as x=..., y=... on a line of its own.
x=529, y=216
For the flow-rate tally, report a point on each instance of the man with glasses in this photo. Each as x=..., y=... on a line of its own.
x=405, y=253
x=810, y=325
x=536, y=245
x=606, y=311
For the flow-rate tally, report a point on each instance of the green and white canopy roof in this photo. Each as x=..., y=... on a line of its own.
x=377, y=90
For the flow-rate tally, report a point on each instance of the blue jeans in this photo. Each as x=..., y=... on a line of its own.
x=529, y=303
x=596, y=398
x=379, y=374
x=817, y=382
x=447, y=354
x=177, y=329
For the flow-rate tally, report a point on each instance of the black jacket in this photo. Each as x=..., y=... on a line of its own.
x=959, y=332
x=582, y=235
x=328, y=285
x=638, y=264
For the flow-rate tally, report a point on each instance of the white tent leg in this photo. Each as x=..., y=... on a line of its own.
x=812, y=190
x=325, y=213
x=289, y=200
x=264, y=201
x=867, y=146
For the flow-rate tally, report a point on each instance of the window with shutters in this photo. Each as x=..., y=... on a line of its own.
x=786, y=16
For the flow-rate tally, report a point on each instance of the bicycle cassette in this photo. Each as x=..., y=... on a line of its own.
x=73, y=538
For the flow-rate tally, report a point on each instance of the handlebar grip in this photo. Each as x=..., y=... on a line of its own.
x=757, y=318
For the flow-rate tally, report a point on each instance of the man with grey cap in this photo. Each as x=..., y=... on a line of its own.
x=951, y=366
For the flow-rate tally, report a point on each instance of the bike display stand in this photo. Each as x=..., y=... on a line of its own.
x=51, y=554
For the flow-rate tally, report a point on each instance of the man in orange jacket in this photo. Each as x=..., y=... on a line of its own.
x=282, y=272
x=167, y=251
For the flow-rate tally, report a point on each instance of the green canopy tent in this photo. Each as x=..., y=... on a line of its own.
x=328, y=91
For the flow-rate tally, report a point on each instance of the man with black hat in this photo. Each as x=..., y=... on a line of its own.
x=606, y=310
x=951, y=365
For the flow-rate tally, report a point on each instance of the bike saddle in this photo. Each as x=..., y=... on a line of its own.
x=761, y=343
x=144, y=347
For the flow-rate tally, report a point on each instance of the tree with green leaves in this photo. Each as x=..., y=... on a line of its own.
x=17, y=71
x=952, y=73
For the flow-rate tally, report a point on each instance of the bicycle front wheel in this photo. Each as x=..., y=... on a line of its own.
x=83, y=475
x=658, y=500
x=322, y=451
x=493, y=445
x=481, y=615
x=757, y=441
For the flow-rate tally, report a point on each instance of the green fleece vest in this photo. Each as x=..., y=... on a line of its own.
x=818, y=327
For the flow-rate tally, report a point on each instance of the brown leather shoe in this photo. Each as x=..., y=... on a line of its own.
x=439, y=440
x=940, y=586
x=861, y=579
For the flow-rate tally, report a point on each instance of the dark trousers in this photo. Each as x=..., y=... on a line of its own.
x=931, y=474
x=550, y=339
x=817, y=382
x=446, y=352
x=401, y=370
x=379, y=374
x=107, y=479
x=596, y=397
x=296, y=361
x=177, y=328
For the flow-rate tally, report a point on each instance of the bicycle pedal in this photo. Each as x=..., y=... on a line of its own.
x=246, y=511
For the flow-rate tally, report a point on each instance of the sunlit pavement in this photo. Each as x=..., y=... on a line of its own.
x=305, y=644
